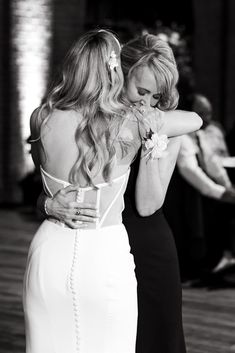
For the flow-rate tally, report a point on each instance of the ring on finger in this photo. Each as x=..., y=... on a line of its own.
x=78, y=212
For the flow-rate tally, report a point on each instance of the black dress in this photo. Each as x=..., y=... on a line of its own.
x=159, y=288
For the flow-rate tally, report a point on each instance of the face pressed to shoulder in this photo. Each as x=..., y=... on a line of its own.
x=142, y=86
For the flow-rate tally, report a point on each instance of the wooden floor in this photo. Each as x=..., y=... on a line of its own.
x=209, y=315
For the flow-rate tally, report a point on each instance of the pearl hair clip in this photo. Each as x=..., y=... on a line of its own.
x=113, y=60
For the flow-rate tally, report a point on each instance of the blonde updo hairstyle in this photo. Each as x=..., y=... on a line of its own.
x=89, y=85
x=148, y=50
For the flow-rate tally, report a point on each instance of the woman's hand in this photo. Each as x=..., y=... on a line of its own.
x=148, y=118
x=74, y=214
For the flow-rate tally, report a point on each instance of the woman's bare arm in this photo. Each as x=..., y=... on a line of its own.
x=154, y=174
x=59, y=207
x=179, y=122
x=148, y=188
x=153, y=179
x=167, y=164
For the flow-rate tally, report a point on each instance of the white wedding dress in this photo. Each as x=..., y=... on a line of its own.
x=79, y=286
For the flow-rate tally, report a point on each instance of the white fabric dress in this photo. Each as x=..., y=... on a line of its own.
x=80, y=287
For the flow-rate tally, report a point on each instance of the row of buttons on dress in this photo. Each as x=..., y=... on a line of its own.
x=80, y=195
x=74, y=293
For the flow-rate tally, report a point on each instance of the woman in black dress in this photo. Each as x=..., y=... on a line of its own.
x=158, y=281
x=159, y=288
x=160, y=326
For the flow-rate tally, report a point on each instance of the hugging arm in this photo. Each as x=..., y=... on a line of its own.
x=71, y=213
x=179, y=122
x=153, y=179
x=154, y=174
x=148, y=187
x=167, y=164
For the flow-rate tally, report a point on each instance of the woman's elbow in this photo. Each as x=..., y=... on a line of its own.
x=149, y=208
x=197, y=121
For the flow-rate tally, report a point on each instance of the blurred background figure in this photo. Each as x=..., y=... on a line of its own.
x=211, y=142
x=211, y=197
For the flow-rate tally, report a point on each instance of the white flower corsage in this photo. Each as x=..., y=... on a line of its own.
x=113, y=60
x=155, y=145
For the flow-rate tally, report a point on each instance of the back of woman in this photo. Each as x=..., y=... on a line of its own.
x=58, y=152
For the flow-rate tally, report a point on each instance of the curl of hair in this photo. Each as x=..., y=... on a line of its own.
x=87, y=84
x=149, y=50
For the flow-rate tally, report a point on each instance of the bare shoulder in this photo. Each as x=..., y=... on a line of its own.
x=60, y=122
x=65, y=118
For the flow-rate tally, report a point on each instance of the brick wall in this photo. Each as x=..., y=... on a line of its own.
x=21, y=57
x=4, y=92
x=16, y=18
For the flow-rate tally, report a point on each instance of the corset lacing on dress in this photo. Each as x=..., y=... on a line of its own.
x=113, y=191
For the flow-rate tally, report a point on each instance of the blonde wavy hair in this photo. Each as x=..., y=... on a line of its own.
x=149, y=50
x=89, y=85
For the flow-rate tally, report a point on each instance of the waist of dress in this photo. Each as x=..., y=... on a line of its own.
x=54, y=235
x=88, y=226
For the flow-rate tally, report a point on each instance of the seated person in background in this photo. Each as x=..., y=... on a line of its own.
x=211, y=141
x=200, y=163
x=230, y=139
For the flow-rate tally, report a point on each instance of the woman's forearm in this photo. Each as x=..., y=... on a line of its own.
x=148, y=190
x=167, y=164
x=154, y=177
x=179, y=122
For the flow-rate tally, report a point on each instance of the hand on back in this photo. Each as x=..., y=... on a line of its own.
x=73, y=214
